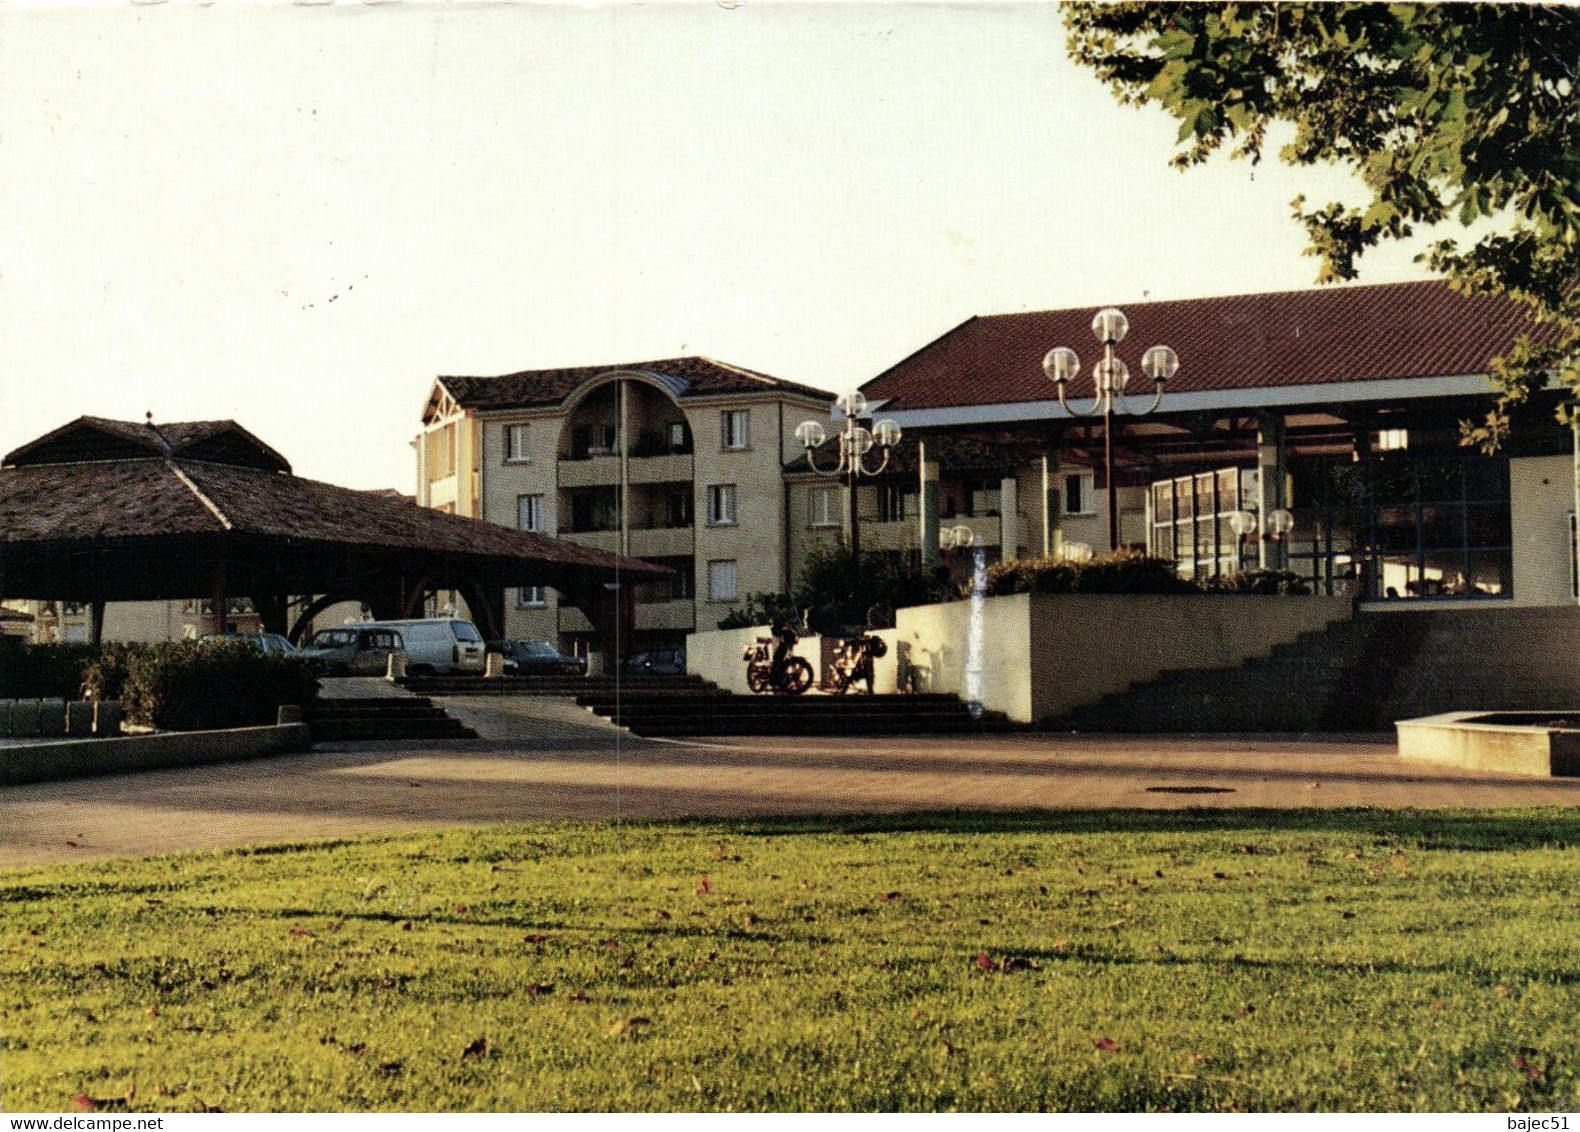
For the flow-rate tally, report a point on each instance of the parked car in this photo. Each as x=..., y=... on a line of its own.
x=538, y=658
x=436, y=644
x=352, y=651
x=263, y=642
x=658, y=662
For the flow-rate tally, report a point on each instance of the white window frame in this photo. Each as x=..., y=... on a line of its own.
x=734, y=574
x=735, y=430
x=518, y=449
x=824, y=509
x=1088, y=490
x=722, y=500
x=529, y=513
x=532, y=597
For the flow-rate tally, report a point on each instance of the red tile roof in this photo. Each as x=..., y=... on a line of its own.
x=698, y=377
x=1288, y=338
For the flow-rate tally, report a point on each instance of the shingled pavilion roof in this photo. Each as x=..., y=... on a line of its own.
x=116, y=511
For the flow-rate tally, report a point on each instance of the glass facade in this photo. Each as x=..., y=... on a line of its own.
x=1189, y=521
x=1401, y=526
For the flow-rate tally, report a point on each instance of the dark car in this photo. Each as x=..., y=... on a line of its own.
x=658, y=662
x=538, y=658
x=263, y=642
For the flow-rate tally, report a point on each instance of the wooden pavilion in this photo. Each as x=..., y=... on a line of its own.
x=102, y=510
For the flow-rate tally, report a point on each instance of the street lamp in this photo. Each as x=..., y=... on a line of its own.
x=1109, y=378
x=855, y=442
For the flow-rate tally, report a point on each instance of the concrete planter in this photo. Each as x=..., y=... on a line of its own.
x=84, y=758
x=1045, y=654
x=1507, y=742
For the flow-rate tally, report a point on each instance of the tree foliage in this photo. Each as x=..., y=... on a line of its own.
x=1462, y=112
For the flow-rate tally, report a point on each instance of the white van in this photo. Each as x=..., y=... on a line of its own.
x=436, y=644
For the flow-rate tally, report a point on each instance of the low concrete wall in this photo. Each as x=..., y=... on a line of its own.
x=1466, y=739
x=1045, y=654
x=1087, y=646
x=84, y=758
x=716, y=656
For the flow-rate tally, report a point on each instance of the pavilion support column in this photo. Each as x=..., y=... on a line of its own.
x=486, y=601
x=1271, y=470
x=219, y=596
x=96, y=623
x=932, y=555
x=1052, y=508
x=1008, y=518
x=271, y=611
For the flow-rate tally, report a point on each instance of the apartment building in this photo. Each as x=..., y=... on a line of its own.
x=679, y=462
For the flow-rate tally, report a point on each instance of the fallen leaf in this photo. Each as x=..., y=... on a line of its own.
x=985, y=963
x=1106, y=1044
x=1527, y=1068
x=704, y=886
x=624, y=1026
x=82, y=1102
x=461, y=909
x=479, y=1048
x=888, y=896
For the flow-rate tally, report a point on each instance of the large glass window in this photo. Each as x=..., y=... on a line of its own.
x=1399, y=526
x=1190, y=522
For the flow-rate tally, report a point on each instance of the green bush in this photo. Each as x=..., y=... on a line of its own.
x=105, y=677
x=762, y=609
x=1123, y=572
x=1281, y=582
x=53, y=671
x=197, y=685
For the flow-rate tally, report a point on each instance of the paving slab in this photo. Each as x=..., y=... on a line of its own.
x=543, y=759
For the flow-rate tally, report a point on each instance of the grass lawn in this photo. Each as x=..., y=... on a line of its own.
x=1186, y=960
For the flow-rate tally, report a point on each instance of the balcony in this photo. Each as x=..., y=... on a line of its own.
x=666, y=615
x=607, y=541
x=602, y=471
x=670, y=468
x=665, y=542
x=595, y=471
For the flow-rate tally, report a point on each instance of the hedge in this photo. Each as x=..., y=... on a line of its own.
x=53, y=671
x=198, y=685
x=1128, y=572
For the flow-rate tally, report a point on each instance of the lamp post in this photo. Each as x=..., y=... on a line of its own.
x=855, y=442
x=1109, y=377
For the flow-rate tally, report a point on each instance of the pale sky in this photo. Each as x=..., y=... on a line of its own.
x=297, y=216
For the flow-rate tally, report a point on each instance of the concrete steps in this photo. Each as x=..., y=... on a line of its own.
x=405, y=717
x=549, y=685
x=1364, y=674
x=692, y=713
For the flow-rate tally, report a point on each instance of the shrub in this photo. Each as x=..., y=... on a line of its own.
x=1123, y=572
x=195, y=685
x=105, y=677
x=1281, y=582
x=762, y=609
x=51, y=671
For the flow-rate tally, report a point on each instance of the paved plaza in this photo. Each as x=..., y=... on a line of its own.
x=546, y=759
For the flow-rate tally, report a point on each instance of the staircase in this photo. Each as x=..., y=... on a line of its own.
x=1364, y=674
x=704, y=710
x=468, y=685
x=386, y=717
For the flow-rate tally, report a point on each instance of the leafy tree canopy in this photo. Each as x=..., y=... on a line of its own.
x=1445, y=111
